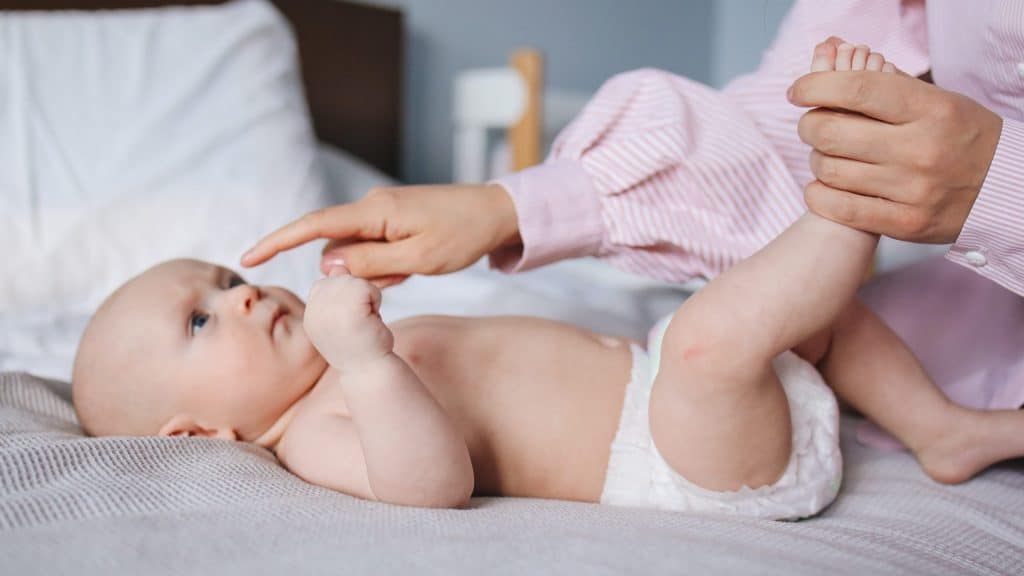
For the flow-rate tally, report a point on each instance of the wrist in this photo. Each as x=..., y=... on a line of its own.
x=357, y=369
x=506, y=223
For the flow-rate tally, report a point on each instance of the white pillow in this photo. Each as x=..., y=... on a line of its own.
x=130, y=137
x=347, y=177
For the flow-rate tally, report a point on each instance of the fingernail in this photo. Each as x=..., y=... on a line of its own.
x=335, y=262
x=789, y=93
x=246, y=256
x=337, y=270
x=846, y=46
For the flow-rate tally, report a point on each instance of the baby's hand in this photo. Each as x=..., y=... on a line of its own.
x=834, y=54
x=343, y=321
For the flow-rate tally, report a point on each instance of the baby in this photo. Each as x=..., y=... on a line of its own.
x=724, y=412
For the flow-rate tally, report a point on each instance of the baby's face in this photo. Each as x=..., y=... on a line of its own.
x=225, y=354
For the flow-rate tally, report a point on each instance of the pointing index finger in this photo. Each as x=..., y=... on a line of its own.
x=885, y=97
x=341, y=221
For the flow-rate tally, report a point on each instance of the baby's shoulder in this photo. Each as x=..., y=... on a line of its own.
x=303, y=426
x=323, y=448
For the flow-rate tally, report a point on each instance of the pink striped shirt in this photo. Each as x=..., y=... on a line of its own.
x=665, y=177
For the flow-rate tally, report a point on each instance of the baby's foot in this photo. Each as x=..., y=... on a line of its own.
x=834, y=54
x=971, y=441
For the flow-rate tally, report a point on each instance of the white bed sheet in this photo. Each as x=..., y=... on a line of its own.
x=586, y=292
x=128, y=505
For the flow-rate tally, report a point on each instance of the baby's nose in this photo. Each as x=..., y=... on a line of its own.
x=244, y=296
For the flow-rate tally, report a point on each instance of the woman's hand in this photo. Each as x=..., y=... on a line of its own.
x=894, y=155
x=392, y=233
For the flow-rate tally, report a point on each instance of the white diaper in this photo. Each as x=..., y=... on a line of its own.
x=639, y=476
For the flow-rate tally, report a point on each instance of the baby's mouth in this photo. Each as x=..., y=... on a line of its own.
x=279, y=312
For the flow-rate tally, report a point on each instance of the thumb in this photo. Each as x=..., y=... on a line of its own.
x=337, y=270
x=375, y=259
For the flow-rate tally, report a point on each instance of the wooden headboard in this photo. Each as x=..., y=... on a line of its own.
x=351, y=65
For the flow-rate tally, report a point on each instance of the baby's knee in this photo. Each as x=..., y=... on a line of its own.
x=701, y=352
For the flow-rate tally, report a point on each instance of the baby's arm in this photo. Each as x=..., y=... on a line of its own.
x=399, y=446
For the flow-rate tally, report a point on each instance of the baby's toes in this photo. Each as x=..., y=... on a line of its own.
x=875, y=62
x=891, y=68
x=844, y=57
x=860, y=57
x=824, y=58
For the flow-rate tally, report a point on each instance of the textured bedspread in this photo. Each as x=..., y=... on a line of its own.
x=70, y=504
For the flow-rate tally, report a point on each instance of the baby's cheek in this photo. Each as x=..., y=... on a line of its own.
x=224, y=379
x=298, y=351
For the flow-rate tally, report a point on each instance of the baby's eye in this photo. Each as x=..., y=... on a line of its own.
x=197, y=321
x=235, y=280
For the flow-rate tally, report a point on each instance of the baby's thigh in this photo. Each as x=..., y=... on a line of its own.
x=718, y=424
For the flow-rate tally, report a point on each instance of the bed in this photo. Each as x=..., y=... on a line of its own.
x=70, y=503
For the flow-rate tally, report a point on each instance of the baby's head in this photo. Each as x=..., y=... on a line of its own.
x=188, y=347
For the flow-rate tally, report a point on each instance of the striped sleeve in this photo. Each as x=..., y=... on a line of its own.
x=893, y=28
x=992, y=239
x=666, y=177
x=659, y=175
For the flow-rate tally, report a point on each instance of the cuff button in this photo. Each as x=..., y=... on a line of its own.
x=975, y=258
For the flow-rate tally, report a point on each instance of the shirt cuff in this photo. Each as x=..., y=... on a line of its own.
x=992, y=239
x=559, y=214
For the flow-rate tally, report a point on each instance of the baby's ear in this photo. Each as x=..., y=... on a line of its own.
x=186, y=425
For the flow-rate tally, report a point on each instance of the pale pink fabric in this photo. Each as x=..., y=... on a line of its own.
x=966, y=330
x=662, y=176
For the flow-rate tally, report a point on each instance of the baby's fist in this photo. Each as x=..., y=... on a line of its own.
x=343, y=321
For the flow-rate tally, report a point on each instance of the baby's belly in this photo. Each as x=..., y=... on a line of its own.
x=538, y=401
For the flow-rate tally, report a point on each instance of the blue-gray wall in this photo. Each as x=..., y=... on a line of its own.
x=742, y=29
x=584, y=42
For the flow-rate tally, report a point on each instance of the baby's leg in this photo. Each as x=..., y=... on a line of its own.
x=868, y=366
x=718, y=413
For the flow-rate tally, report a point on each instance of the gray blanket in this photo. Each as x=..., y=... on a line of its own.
x=71, y=504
